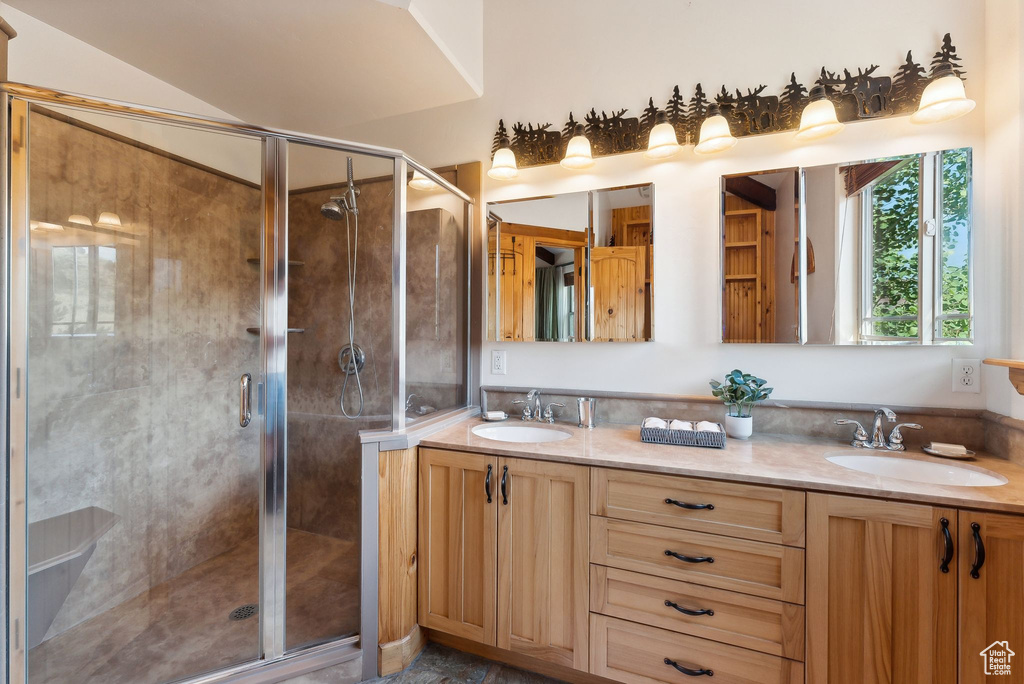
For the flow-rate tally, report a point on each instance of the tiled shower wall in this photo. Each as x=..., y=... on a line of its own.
x=141, y=416
x=323, y=446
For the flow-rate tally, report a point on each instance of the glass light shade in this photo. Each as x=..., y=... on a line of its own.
x=109, y=219
x=943, y=99
x=421, y=182
x=715, y=135
x=818, y=120
x=80, y=220
x=43, y=226
x=503, y=167
x=577, y=152
x=663, y=142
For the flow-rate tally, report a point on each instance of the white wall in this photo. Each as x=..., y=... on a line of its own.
x=43, y=56
x=1004, y=70
x=544, y=59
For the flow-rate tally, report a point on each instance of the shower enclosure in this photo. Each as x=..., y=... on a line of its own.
x=191, y=471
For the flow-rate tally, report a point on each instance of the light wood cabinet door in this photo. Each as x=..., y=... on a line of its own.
x=879, y=606
x=543, y=576
x=458, y=543
x=991, y=597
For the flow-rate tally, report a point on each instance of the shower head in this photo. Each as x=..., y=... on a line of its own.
x=334, y=209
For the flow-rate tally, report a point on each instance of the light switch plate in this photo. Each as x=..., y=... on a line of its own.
x=499, y=362
x=967, y=375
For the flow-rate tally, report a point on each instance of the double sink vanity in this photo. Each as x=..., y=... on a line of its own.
x=580, y=553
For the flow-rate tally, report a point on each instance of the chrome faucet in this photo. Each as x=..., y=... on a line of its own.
x=535, y=410
x=877, y=438
x=532, y=409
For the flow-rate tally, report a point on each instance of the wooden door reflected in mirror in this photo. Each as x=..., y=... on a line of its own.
x=572, y=267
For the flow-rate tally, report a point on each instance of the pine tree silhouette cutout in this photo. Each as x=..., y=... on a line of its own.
x=498, y=135
x=793, y=101
x=647, y=120
x=909, y=82
x=947, y=55
x=676, y=111
x=569, y=128
x=698, y=109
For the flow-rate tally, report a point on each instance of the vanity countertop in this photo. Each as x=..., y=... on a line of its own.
x=780, y=460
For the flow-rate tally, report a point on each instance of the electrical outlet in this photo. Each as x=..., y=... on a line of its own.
x=499, y=362
x=967, y=375
x=447, y=360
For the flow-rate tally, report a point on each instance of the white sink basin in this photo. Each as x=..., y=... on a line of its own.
x=523, y=434
x=926, y=472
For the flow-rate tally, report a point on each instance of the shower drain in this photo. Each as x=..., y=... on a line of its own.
x=243, y=612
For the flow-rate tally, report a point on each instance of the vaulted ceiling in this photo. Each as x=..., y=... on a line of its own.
x=309, y=65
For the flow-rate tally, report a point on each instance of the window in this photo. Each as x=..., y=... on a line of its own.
x=84, y=281
x=916, y=250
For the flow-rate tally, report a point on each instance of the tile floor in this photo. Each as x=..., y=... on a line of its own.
x=180, y=628
x=442, y=665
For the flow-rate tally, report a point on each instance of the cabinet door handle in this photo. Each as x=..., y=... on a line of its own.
x=947, y=542
x=690, y=559
x=487, y=483
x=979, y=551
x=690, y=506
x=687, y=611
x=687, y=671
x=504, y=485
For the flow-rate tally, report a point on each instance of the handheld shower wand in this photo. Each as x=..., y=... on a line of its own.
x=351, y=357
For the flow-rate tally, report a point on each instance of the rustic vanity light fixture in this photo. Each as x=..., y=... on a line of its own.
x=854, y=97
x=715, y=135
x=662, y=142
x=818, y=119
x=577, y=152
x=421, y=182
x=503, y=165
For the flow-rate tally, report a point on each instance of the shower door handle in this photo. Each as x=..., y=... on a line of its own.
x=245, y=400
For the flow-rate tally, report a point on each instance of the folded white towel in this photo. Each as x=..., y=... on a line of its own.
x=708, y=426
x=680, y=425
x=654, y=423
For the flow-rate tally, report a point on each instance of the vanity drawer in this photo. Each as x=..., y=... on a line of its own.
x=636, y=654
x=757, y=568
x=745, y=511
x=759, y=624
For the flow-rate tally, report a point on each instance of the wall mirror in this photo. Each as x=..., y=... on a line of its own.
x=571, y=267
x=761, y=257
x=890, y=250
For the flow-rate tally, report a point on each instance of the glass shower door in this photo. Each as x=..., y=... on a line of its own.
x=143, y=310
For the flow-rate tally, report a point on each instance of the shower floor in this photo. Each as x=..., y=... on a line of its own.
x=181, y=628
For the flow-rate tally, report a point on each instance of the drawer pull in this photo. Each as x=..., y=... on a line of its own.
x=487, y=484
x=687, y=611
x=979, y=551
x=687, y=671
x=690, y=559
x=690, y=506
x=947, y=542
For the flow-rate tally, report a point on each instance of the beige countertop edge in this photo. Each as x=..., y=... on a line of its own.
x=793, y=462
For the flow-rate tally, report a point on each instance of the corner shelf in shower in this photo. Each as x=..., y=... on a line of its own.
x=256, y=330
x=291, y=262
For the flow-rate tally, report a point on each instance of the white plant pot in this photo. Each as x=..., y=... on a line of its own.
x=739, y=428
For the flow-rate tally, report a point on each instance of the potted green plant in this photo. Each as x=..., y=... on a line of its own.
x=740, y=392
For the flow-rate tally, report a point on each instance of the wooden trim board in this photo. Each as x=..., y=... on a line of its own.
x=397, y=655
x=523, y=662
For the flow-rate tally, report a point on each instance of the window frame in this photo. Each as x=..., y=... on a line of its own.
x=930, y=232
